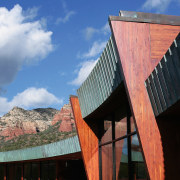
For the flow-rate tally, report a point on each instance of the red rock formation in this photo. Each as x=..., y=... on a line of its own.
x=19, y=121
x=66, y=116
x=12, y=132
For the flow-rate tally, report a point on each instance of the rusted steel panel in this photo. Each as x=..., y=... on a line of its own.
x=88, y=141
x=161, y=37
x=133, y=43
x=141, y=47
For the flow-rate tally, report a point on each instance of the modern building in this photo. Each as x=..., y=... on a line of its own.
x=126, y=112
x=55, y=161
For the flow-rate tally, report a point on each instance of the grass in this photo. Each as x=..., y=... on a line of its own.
x=31, y=140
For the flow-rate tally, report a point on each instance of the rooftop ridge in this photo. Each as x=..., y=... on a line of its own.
x=141, y=17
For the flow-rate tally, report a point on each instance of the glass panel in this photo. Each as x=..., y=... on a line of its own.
x=35, y=171
x=18, y=169
x=107, y=162
x=138, y=166
x=120, y=128
x=44, y=171
x=121, y=159
x=10, y=171
x=107, y=134
x=1, y=172
x=27, y=171
x=52, y=171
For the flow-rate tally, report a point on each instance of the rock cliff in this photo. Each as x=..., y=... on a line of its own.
x=66, y=117
x=19, y=121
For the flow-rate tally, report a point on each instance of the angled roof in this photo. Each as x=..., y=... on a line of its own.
x=63, y=147
x=132, y=16
x=103, y=80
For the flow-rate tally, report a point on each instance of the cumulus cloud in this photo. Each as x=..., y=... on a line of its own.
x=30, y=98
x=96, y=48
x=22, y=41
x=84, y=70
x=67, y=16
x=158, y=5
x=90, y=31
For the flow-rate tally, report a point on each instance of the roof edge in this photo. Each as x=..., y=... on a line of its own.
x=141, y=17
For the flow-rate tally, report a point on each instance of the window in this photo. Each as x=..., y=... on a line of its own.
x=119, y=150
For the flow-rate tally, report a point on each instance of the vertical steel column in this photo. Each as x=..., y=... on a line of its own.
x=5, y=171
x=130, y=174
x=40, y=169
x=100, y=127
x=39, y=174
x=7, y=175
x=113, y=147
x=22, y=171
x=57, y=169
x=100, y=161
x=31, y=169
x=48, y=169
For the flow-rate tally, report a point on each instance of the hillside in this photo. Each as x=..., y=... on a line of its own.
x=21, y=128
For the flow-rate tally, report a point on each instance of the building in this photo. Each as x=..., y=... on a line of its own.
x=126, y=112
x=54, y=161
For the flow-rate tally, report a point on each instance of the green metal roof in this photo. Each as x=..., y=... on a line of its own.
x=63, y=147
x=102, y=81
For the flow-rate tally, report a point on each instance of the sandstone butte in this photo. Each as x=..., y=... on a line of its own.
x=66, y=117
x=19, y=121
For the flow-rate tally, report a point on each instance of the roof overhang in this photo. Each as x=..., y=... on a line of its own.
x=132, y=16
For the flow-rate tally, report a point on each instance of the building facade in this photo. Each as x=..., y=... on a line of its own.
x=127, y=110
x=55, y=161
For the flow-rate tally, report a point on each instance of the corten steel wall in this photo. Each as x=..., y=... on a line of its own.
x=88, y=141
x=163, y=87
x=140, y=47
x=141, y=40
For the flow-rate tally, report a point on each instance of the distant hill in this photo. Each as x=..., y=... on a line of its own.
x=21, y=128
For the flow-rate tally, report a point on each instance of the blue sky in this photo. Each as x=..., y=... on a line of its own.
x=48, y=47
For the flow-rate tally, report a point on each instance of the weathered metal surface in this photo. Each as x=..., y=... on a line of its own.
x=132, y=16
x=163, y=85
x=63, y=147
x=102, y=81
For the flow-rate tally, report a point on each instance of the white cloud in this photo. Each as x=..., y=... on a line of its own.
x=21, y=41
x=67, y=16
x=90, y=31
x=158, y=5
x=31, y=13
x=83, y=72
x=105, y=29
x=30, y=98
x=96, y=48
